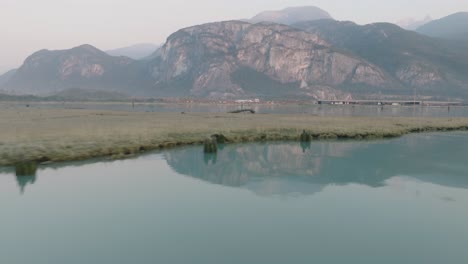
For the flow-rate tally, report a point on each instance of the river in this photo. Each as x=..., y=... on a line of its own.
x=402, y=200
x=312, y=109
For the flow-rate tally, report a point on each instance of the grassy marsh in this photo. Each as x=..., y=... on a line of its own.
x=51, y=135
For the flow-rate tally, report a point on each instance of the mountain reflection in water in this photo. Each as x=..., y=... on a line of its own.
x=290, y=167
x=294, y=168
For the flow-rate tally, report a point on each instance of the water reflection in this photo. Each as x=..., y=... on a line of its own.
x=141, y=211
x=23, y=181
x=25, y=174
x=305, y=145
x=210, y=158
x=27, y=168
x=304, y=168
x=308, y=167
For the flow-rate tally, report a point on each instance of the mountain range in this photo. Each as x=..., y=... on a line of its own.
x=413, y=24
x=292, y=53
x=236, y=59
x=291, y=15
x=48, y=72
x=136, y=52
x=411, y=60
x=451, y=27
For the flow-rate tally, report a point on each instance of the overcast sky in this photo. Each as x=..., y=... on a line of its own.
x=30, y=25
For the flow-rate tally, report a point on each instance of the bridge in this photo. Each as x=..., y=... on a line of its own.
x=386, y=102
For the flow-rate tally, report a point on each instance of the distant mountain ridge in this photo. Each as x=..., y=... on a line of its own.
x=73, y=95
x=291, y=15
x=413, y=24
x=454, y=26
x=318, y=59
x=4, y=78
x=433, y=66
x=48, y=72
x=136, y=52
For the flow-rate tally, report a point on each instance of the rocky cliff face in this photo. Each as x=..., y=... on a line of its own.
x=322, y=59
x=206, y=60
x=48, y=72
x=416, y=62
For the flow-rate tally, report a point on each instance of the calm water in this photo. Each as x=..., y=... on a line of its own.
x=395, y=201
x=320, y=110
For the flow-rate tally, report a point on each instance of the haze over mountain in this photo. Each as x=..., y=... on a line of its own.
x=50, y=24
x=48, y=72
x=454, y=26
x=291, y=15
x=413, y=24
x=321, y=59
x=4, y=69
x=4, y=78
x=136, y=52
x=415, y=61
x=236, y=59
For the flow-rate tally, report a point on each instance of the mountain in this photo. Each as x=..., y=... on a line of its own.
x=48, y=72
x=4, y=78
x=291, y=15
x=74, y=94
x=136, y=52
x=451, y=27
x=239, y=59
x=413, y=24
x=20, y=98
x=322, y=59
x=432, y=66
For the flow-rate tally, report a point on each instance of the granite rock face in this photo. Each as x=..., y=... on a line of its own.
x=322, y=59
x=433, y=66
x=207, y=58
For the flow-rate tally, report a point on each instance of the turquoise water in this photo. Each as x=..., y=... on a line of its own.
x=394, y=201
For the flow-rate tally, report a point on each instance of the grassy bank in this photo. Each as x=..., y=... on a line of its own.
x=49, y=135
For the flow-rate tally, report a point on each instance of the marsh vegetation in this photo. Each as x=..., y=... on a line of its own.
x=50, y=135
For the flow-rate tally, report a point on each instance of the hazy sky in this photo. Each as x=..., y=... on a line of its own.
x=29, y=25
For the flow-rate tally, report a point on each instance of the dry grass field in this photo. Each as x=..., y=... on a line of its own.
x=50, y=135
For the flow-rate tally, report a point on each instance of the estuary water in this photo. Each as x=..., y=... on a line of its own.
x=312, y=109
x=403, y=200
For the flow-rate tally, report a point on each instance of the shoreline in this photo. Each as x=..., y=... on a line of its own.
x=267, y=103
x=59, y=135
